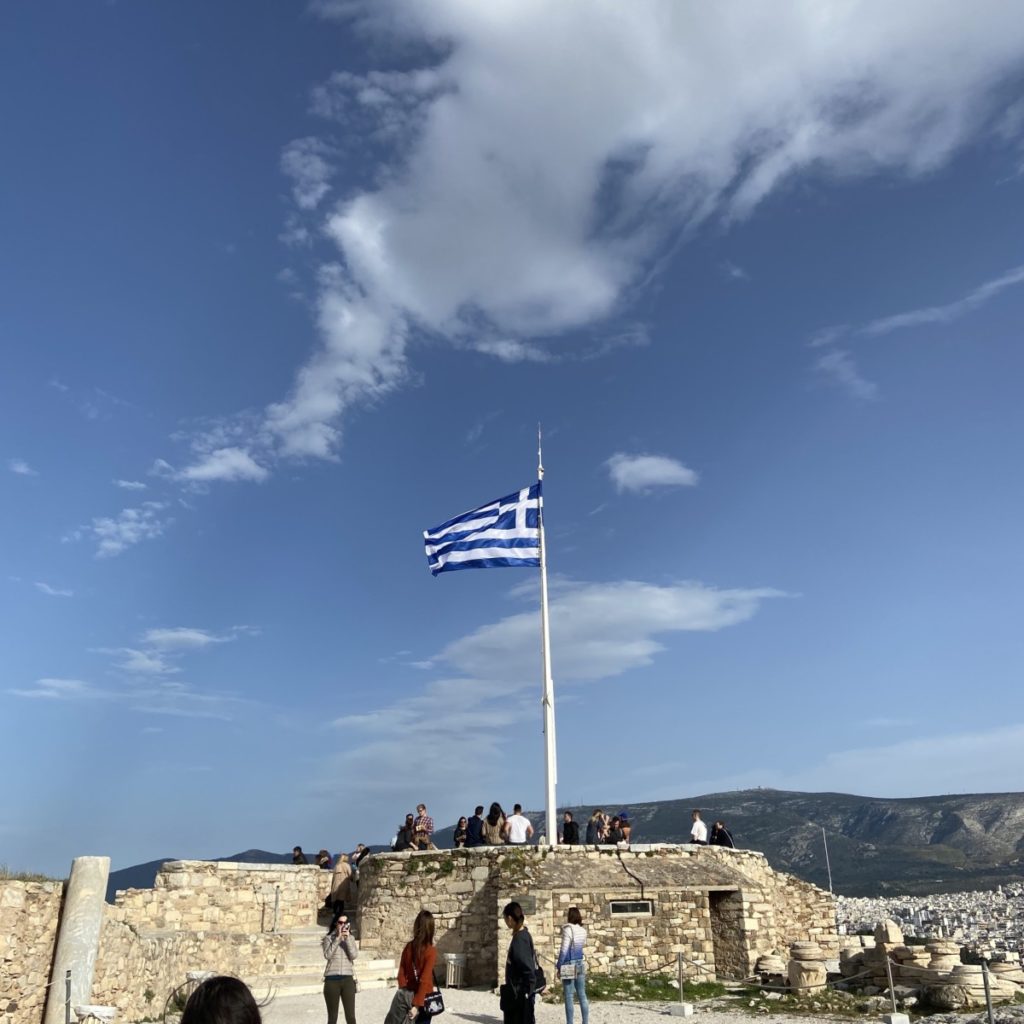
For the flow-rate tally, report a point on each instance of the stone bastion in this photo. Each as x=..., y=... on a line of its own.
x=721, y=909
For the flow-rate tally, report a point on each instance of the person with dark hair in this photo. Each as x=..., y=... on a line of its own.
x=415, y=972
x=323, y=860
x=571, y=966
x=517, y=994
x=461, y=834
x=626, y=825
x=494, y=826
x=570, y=830
x=362, y=851
x=339, y=982
x=221, y=1000
x=518, y=828
x=405, y=837
x=615, y=835
x=595, y=823
x=475, y=828
x=721, y=836
x=298, y=857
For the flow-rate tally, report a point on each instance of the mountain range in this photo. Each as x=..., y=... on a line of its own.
x=876, y=846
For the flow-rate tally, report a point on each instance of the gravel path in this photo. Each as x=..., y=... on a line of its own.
x=477, y=1006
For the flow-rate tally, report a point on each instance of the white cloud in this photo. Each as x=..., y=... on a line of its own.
x=736, y=273
x=226, y=464
x=129, y=527
x=21, y=467
x=58, y=689
x=951, y=311
x=130, y=485
x=45, y=588
x=304, y=161
x=136, y=662
x=182, y=638
x=627, y=127
x=643, y=472
x=509, y=350
x=838, y=366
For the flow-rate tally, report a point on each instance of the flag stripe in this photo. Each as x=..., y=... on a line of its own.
x=505, y=532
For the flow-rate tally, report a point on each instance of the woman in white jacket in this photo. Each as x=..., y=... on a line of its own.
x=571, y=965
x=339, y=984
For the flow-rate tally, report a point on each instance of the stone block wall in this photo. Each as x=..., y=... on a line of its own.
x=29, y=912
x=711, y=905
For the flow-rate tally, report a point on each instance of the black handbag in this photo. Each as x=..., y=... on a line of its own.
x=433, y=1002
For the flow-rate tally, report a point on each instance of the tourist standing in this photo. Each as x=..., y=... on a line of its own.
x=339, y=983
x=699, y=831
x=721, y=836
x=475, y=828
x=626, y=825
x=461, y=833
x=341, y=884
x=423, y=829
x=494, y=826
x=570, y=964
x=570, y=830
x=518, y=828
x=415, y=971
x=517, y=993
x=594, y=827
x=298, y=857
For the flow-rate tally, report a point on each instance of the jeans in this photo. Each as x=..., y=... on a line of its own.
x=344, y=989
x=579, y=985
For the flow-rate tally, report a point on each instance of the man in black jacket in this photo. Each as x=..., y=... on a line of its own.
x=475, y=828
x=570, y=830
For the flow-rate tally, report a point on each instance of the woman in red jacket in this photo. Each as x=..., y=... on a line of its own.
x=415, y=972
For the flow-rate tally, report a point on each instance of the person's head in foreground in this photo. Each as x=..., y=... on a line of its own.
x=514, y=916
x=221, y=1000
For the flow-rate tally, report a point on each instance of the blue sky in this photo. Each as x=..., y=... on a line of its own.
x=284, y=286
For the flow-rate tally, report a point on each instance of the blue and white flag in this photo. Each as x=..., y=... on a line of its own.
x=503, y=532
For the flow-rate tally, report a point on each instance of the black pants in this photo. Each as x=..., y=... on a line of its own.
x=341, y=987
x=516, y=1007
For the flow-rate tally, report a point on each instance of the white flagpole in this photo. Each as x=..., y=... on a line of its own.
x=548, y=701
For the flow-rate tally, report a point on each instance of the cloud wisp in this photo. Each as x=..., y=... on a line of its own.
x=45, y=588
x=21, y=468
x=115, y=534
x=599, y=631
x=643, y=473
x=838, y=364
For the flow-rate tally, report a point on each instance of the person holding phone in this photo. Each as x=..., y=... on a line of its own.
x=339, y=983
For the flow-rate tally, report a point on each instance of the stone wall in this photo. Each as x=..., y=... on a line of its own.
x=710, y=905
x=201, y=915
x=29, y=912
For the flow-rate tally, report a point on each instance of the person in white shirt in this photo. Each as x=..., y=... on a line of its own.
x=571, y=966
x=518, y=828
x=699, y=832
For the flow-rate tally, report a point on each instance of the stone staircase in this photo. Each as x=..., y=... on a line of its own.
x=303, y=971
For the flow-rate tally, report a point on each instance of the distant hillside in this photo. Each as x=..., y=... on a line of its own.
x=876, y=846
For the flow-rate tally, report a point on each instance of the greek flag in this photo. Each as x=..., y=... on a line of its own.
x=503, y=532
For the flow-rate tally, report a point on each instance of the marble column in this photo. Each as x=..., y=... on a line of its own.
x=78, y=935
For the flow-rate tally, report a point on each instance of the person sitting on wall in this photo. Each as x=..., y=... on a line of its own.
x=615, y=835
x=699, y=831
x=405, y=836
x=626, y=825
x=221, y=1000
x=323, y=860
x=721, y=836
x=298, y=857
x=423, y=829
